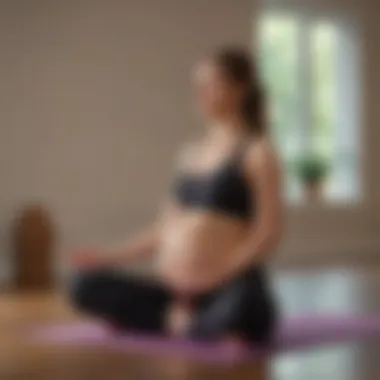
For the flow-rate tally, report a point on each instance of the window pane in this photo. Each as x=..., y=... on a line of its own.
x=330, y=127
x=279, y=60
x=278, y=56
x=310, y=74
x=324, y=106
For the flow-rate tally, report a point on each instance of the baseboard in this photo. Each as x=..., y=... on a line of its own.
x=341, y=253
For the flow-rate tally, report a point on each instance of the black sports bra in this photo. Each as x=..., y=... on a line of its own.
x=223, y=191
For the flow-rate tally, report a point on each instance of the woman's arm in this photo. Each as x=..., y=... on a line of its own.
x=264, y=173
x=144, y=244
x=139, y=247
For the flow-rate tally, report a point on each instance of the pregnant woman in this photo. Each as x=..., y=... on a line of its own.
x=211, y=245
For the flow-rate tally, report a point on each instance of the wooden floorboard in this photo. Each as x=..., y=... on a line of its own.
x=347, y=291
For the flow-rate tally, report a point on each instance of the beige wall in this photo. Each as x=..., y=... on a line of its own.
x=95, y=99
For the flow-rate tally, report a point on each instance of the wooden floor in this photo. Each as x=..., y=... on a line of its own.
x=345, y=291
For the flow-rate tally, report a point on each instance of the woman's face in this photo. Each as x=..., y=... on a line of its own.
x=217, y=95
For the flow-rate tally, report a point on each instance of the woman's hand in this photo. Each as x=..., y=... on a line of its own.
x=88, y=259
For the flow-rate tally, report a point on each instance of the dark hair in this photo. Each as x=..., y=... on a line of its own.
x=240, y=67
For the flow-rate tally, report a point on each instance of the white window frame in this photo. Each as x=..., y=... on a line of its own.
x=351, y=117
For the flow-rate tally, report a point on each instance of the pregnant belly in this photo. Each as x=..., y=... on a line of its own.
x=196, y=246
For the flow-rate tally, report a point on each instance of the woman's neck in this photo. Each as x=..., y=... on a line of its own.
x=228, y=128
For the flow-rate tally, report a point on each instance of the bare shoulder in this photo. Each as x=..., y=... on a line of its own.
x=262, y=158
x=261, y=152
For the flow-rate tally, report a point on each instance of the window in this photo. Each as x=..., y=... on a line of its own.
x=310, y=71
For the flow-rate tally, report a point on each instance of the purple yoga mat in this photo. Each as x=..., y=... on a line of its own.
x=295, y=334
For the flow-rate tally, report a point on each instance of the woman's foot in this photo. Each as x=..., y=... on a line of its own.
x=178, y=320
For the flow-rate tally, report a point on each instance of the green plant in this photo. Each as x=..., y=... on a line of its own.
x=311, y=168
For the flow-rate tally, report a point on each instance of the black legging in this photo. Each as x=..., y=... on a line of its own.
x=243, y=307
